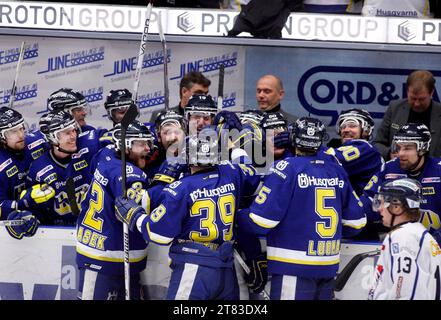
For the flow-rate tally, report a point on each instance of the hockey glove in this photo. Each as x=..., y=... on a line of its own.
x=27, y=229
x=229, y=120
x=284, y=140
x=128, y=211
x=258, y=276
x=35, y=195
x=170, y=171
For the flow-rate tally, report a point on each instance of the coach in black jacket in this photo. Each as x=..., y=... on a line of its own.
x=419, y=107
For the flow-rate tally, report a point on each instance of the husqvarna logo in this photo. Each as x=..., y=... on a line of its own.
x=184, y=22
x=406, y=30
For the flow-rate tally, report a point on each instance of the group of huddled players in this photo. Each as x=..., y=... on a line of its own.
x=195, y=182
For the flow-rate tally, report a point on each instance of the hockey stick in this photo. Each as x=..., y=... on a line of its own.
x=70, y=190
x=165, y=55
x=247, y=270
x=345, y=274
x=220, y=89
x=142, y=48
x=11, y=223
x=17, y=72
x=128, y=118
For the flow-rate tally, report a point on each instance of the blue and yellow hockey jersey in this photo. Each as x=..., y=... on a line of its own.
x=197, y=213
x=430, y=179
x=305, y=206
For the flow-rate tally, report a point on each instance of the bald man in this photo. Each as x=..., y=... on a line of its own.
x=269, y=93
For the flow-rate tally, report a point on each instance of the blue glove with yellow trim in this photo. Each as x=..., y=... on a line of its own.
x=128, y=211
x=170, y=170
x=32, y=197
x=27, y=229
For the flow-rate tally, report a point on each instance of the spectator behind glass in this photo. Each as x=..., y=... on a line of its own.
x=418, y=107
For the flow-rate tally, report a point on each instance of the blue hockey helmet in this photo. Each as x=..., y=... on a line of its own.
x=200, y=104
x=404, y=191
x=135, y=131
x=9, y=119
x=117, y=99
x=362, y=117
x=202, y=149
x=55, y=122
x=66, y=99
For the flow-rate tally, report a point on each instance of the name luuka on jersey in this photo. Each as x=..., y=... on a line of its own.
x=430, y=179
x=304, y=207
x=409, y=265
x=99, y=233
x=360, y=160
x=200, y=209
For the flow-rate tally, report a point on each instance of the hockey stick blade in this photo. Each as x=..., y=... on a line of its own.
x=345, y=274
x=11, y=223
x=220, y=90
x=165, y=55
x=17, y=73
x=70, y=190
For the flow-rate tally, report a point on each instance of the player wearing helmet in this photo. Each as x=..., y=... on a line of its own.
x=304, y=207
x=15, y=199
x=66, y=158
x=411, y=143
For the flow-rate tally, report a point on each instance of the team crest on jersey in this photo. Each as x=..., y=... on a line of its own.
x=392, y=176
x=80, y=165
x=5, y=164
x=431, y=180
x=434, y=248
x=395, y=248
x=12, y=171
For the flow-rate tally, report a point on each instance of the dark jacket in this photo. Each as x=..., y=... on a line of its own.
x=397, y=114
x=290, y=117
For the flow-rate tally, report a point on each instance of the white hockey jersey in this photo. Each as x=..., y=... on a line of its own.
x=397, y=8
x=409, y=265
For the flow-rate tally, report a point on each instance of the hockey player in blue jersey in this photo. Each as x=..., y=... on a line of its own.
x=412, y=143
x=197, y=215
x=359, y=158
x=305, y=206
x=65, y=159
x=99, y=233
x=15, y=158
